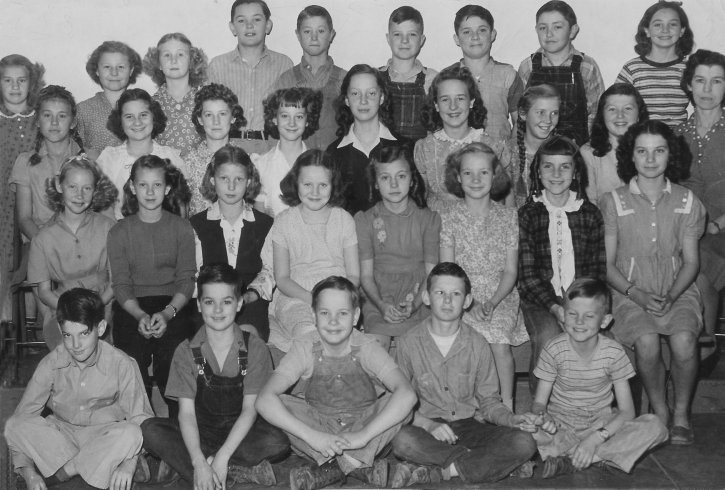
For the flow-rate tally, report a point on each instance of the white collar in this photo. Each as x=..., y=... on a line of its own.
x=214, y=213
x=634, y=186
x=351, y=138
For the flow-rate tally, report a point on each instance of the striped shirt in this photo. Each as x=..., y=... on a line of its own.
x=582, y=386
x=659, y=86
x=251, y=83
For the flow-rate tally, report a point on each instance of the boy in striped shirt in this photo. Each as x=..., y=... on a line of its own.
x=577, y=371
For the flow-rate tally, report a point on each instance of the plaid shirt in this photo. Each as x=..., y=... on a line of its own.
x=535, y=269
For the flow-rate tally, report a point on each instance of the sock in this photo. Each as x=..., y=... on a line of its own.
x=449, y=471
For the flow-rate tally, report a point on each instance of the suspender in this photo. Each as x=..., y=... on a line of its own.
x=203, y=368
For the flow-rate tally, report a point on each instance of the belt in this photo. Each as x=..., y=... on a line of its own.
x=248, y=134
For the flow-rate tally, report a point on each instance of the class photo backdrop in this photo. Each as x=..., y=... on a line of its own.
x=62, y=33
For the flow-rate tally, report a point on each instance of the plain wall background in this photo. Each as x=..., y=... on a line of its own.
x=62, y=33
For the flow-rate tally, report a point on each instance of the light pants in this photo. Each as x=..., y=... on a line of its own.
x=96, y=450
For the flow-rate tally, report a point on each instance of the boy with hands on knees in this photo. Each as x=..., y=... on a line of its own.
x=97, y=399
x=341, y=423
x=577, y=371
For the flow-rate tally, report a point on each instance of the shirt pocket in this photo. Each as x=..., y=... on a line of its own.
x=465, y=383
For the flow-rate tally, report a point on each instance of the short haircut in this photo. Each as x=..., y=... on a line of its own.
x=216, y=274
x=448, y=269
x=236, y=156
x=338, y=283
x=590, y=288
x=35, y=74
x=314, y=11
x=644, y=43
x=388, y=153
x=134, y=59
x=265, y=8
x=477, y=115
x=678, y=165
x=402, y=14
x=468, y=11
x=217, y=91
x=197, y=61
x=558, y=6
x=312, y=158
x=501, y=183
x=79, y=305
x=559, y=145
x=599, y=140
x=157, y=113
x=700, y=57
x=306, y=98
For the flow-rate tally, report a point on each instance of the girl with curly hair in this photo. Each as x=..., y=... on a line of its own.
x=652, y=229
x=619, y=107
x=216, y=113
x=311, y=240
x=454, y=116
x=290, y=115
x=178, y=68
x=70, y=250
x=152, y=260
x=664, y=40
x=114, y=66
x=137, y=120
x=232, y=231
x=363, y=118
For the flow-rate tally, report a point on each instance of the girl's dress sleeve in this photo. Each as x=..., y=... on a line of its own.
x=349, y=235
x=609, y=213
x=695, y=221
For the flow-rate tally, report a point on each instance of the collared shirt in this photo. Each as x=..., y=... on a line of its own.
x=251, y=83
x=72, y=259
x=92, y=118
x=351, y=139
x=272, y=167
x=460, y=385
x=591, y=75
x=183, y=371
x=409, y=77
x=231, y=231
x=180, y=132
x=108, y=390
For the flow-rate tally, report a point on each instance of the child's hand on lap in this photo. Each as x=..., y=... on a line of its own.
x=478, y=312
x=220, y=466
x=391, y=314
x=356, y=440
x=122, y=477
x=525, y=422
x=443, y=432
x=205, y=478
x=329, y=445
x=584, y=452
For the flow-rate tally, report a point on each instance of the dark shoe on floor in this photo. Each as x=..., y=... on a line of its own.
x=311, y=477
x=406, y=474
x=262, y=474
x=166, y=474
x=142, y=474
x=681, y=436
x=557, y=465
x=526, y=470
x=376, y=475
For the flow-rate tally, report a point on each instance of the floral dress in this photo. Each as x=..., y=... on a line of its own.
x=481, y=245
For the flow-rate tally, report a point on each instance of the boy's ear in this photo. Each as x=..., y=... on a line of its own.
x=606, y=320
x=387, y=38
x=493, y=35
x=574, y=31
x=422, y=40
x=425, y=297
x=356, y=316
x=467, y=302
x=101, y=327
x=231, y=28
x=456, y=40
x=268, y=26
x=333, y=33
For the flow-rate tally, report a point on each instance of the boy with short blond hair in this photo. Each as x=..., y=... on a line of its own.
x=406, y=79
x=97, y=399
x=251, y=69
x=575, y=75
x=317, y=70
x=581, y=372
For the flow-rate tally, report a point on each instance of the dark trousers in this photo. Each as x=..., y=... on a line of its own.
x=483, y=453
x=162, y=438
x=541, y=326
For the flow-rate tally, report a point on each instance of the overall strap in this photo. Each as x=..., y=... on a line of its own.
x=242, y=355
x=200, y=361
x=576, y=63
x=536, y=60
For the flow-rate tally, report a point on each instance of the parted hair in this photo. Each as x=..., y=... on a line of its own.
x=54, y=93
x=501, y=183
x=599, y=140
x=389, y=153
x=312, y=158
x=217, y=91
x=157, y=113
x=559, y=145
x=35, y=74
x=306, y=98
x=448, y=269
x=343, y=114
x=700, y=57
x=198, y=61
x=104, y=192
x=236, y=156
x=79, y=305
x=429, y=114
x=134, y=60
x=337, y=283
x=644, y=43
x=177, y=197
x=216, y=274
x=590, y=288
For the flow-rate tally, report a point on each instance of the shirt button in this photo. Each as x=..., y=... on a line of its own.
x=79, y=256
x=453, y=413
x=83, y=384
x=446, y=388
x=654, y=224
x=654, y=239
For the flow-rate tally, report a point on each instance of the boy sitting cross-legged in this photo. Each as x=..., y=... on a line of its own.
x=577, y=371
x=97, y=399
x=461, y=426
x=341, y=423
x=216, y=377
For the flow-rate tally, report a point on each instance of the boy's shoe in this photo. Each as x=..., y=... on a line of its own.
x=557, y=465
x=526, y=470
x=142, y=474
x=681, y=436
x=311, y=476
x=406, y=474
x=377, y=475
x=166, y=474
x=262, y=474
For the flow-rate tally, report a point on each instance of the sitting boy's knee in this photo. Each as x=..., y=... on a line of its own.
x=406, y=438
x=16, y=425
x=523, y=444
x=125, y=433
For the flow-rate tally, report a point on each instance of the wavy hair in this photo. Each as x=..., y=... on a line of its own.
x=599, y=140
x=389, y=153
x=35, y=74
x=157, y=113
x=476, y=116
x=680, y=157
x=217, y=91
x=134, y=59
x=343, y=114
x=644, y=43
x=54, y=93
x=104, y=192
x=198, y=61
x=559, y=145
x=308, y=99
x=700, y=57
x=232, y=155
x=177, y=197
x=501, y=182
x=526, y=102
x=312, y=158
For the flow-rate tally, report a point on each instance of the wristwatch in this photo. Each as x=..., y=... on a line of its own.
x=604, y=434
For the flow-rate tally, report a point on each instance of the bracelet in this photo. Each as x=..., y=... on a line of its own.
x=626, y=291
x=173, y=308
x=717, y=225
